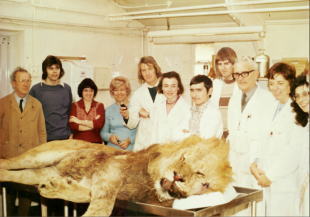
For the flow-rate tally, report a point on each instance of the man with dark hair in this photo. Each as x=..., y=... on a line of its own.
x=142, y=102
x=206, y=119
x=22, y=127
x=56, y=99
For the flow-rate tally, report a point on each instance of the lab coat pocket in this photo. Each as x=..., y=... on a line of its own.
x=278, y=142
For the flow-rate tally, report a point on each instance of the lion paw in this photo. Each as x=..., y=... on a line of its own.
x=64, y=188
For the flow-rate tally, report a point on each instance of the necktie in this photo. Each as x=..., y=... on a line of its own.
x=21, y=105
x=243, y=99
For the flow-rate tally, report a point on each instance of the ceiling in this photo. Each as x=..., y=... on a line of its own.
x=213, y=20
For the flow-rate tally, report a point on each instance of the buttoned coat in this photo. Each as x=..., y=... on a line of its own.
x=244, y=133
x=20, y=131
x=142, y=99
x=281, y=146
x=169, y=126
x=211, y=124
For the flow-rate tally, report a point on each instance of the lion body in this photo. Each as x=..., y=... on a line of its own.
x=84, y=172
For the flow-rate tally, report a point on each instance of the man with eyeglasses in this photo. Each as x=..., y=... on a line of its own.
x=22, y=127
x=245, y=111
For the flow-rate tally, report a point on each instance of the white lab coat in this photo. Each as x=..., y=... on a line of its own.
x=211, y=124
x=302, y=206
x=167, y=127
x=280, y=154
x=244, y=134
x=217, y=91
x=142, y=99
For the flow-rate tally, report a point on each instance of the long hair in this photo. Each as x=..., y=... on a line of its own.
x=301, y=116
x=149, y=60
x=225, y=53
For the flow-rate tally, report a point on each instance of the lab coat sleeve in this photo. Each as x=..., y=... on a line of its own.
x=215, y=127
x=134, y=109
x=288, y=161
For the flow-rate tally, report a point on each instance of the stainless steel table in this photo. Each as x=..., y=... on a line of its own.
x=247, y=197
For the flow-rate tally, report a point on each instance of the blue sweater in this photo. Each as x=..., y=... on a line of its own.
x=114, y=125
x=56, y=103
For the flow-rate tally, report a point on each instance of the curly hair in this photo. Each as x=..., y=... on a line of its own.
x=301, y=116
x=119, y=81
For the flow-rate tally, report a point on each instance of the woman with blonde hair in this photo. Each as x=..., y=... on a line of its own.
x=114, y=132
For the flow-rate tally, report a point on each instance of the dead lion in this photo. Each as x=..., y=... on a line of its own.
x=78, y=171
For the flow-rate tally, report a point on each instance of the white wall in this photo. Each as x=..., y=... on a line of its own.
x=31, y=44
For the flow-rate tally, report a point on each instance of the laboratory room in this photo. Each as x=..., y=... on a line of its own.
x=154, y=107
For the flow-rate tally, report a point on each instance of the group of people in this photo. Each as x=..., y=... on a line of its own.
x=268, y=131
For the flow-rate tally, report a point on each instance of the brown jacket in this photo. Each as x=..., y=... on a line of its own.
x=20, y=132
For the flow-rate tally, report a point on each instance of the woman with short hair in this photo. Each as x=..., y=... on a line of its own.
x=300, y=104
x=87, y=115
x=114, y=132
x=172, y=115
x=276, y=168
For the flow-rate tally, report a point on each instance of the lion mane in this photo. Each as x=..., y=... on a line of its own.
x=79, y=171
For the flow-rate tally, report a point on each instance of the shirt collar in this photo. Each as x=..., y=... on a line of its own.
x=149, y=86
x=59, y=82
x=18, y=98
x=82, y=105
x=250, y=93
x=200, y=108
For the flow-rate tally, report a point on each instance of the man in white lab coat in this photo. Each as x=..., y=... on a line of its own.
x=245, y=111
x=206, y=119
x=143, y=101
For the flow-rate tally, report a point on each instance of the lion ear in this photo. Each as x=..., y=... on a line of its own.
x=182, y=158
x=153, y=156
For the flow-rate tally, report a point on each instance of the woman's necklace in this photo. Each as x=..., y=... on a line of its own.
x=172, y=102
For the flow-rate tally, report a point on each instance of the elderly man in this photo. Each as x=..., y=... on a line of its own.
x=22, y=127
x=245, y=110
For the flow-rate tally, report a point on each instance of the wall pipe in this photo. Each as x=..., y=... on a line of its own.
x=168, y=4
x=72, y=26
x=16, y=1
x=65, y=9
x=259, y=10
x=204, y=31
x=206, y=39
x=203, y=7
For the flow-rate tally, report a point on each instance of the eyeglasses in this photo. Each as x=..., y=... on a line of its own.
x=300, y=97
x=243, y=74
x=25, y=81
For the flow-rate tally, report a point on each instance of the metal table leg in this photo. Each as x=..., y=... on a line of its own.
x=74, y=210
x=66, y=208
x=4, y=202
x=43, y=206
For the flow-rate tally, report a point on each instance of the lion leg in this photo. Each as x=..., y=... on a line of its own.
x=33, y=159
x=64, y=188
x=28, y=176
x=106, y=185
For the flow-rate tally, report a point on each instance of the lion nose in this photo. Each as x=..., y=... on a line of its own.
x=206, y=185
x=177, y=177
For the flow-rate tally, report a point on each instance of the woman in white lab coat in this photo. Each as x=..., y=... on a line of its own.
x=280, y=147
x=224, y=86
x=300, y=95
x=172, y=115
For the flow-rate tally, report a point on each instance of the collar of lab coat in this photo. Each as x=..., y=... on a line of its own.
x=251, y=103
x=287, y=108
x=181, y=103
x=147, y=96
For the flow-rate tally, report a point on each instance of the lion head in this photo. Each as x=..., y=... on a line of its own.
x=194, y=166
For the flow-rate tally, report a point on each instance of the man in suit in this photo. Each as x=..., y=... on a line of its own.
x=22, y=127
